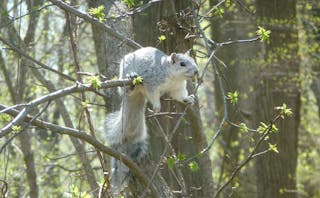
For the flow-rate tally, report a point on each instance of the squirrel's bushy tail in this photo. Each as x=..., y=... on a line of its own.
x=127, y=133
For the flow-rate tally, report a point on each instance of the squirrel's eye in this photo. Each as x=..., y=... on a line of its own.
x=183, y=64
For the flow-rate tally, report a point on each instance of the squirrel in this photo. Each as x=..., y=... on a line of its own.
x=126, y=128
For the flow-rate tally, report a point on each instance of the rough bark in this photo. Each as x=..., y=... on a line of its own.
x=25, y=137
x=109, y=51
x=18, y=97
x=163, y=19
x=278, y=83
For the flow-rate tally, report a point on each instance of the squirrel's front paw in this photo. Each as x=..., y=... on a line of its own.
x=189, y=99
x=132, y=75
x=156, y=108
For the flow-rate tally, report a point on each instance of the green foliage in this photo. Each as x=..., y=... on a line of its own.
x=233, y=97
x=58, y=167
x=273, y=147
x=138, y=80
x=243, y=128
x=94, y=81
x=181, y=157
x=274, y=128
x=284, y=111
x=219, y=11
x=264, y=128
x=162, y=38
x=228, y=3
x=193, y=166
x=76, y=193
x=263, y=34
x=98, y=13
x=4, y=117
x=16, y=128
x=129, y=3
x=171, y=162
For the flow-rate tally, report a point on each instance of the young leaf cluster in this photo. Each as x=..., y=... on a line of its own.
x=94, y=81
x=263, y=34
x=98, y=13
x=173, y=160
x=137, y=80
x=233, y=97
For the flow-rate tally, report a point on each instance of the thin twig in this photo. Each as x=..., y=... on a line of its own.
x=90, y=140
x=179, y=177
x=58, y=94
x=135, y=10
x=238, y=41
x=211, y=10
x=4, y=188
x=96, y=22
x=83, y=96
x=249, y=157
x=24, y=127
x=169, y=139
x=44, y=66
x=223, y=96
x=24, y=15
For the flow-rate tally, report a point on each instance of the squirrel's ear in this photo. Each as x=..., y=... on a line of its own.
x=173, y=58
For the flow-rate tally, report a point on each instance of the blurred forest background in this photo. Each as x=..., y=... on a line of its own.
x=254, y=132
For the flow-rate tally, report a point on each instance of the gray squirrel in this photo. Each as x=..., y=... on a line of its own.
x=126, y=128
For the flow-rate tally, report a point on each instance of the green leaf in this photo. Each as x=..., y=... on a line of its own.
x=284, y=111
x=97, y=13
x=233, y=97
x=273, y=147
x=193, y=166
x=219, y=11
x=181, y=157
x=243, y=128
x=228, y=3
x=274, y=128
x=16, y=128
x=263, y=34
x=129, y=3
x=162, y=38
x=171, y=162
x=94, y=81
x=138, y=80
x=4, y=117
x=262, y=128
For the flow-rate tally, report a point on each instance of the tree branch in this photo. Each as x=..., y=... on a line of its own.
x=249, y=157
x=95, y=21
x=21, y=52
x=58, y=94
x=87, y=138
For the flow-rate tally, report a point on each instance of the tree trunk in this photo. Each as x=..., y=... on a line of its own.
x=278, y=83
x=18, y=97
x=109, y=51
x=189, y=138
x=25, y=137
x=238, y=75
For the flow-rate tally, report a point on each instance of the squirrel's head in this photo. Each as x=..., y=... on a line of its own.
x=182, y=65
